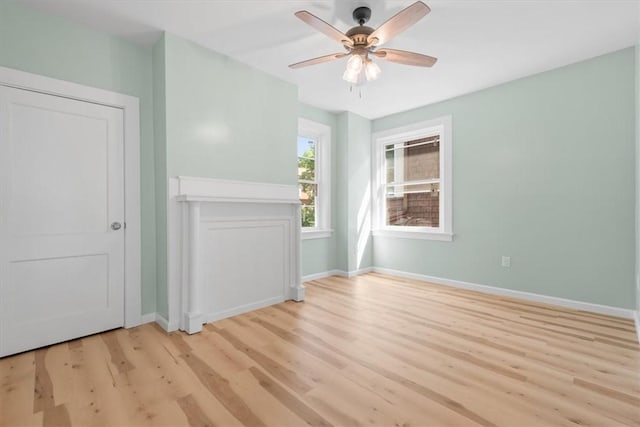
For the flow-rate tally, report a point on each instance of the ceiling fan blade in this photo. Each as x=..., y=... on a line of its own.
x=404, y=57
x=324, y=27
x=398, y=23
x=318, y=60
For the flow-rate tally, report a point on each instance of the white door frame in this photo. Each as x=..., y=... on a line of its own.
x=130, y=107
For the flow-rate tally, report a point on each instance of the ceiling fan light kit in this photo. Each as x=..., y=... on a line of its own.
x=362, y=42
x=355, y=63
x=351, y=76
x=371, y=70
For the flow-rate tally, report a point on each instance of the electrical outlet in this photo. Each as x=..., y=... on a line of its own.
x=506, y=261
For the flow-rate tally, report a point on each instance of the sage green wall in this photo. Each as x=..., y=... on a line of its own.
x=359, y=254
x=319, y=255
x=226, y=119
x=543, y=171
x=160, y=161
x=342, y=191
x=47, y=45
x=353, y=173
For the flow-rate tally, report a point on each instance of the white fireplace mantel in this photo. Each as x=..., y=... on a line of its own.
x=234, y=246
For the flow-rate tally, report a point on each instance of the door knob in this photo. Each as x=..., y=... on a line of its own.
x=116, y=226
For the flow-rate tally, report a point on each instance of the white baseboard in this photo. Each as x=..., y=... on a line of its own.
x=212, y=317
x=576, y=305
x=353, y=273
x=155, y=317
x=322, y=275
x=340, y=273
x=359, y=272
x=164, y=324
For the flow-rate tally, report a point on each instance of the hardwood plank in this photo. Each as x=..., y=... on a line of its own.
x=221, y=390
x=43, y=389
x=195, y=414
x=288, y=399
x=17, y=390
x=370, y=350
x=300, y=342
x=284, y=374
x=60, y=373
x=615, y=394
x=266, y=406
x=118, y=358
x=57, y=416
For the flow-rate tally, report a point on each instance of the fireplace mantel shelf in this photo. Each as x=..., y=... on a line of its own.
x=213, y=199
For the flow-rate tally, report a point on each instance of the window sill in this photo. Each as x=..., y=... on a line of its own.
x=414, y=234
x=315, y=234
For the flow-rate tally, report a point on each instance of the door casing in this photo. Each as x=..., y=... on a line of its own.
x=131, y=111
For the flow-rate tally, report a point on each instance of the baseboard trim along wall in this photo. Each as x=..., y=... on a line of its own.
x=164, y=323
x=340, y=273
x=562, y=302
x=359, y=272
x=245, y=308
x=323, y=274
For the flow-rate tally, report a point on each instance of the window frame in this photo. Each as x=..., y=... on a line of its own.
x=444, y=127
x=321, y=134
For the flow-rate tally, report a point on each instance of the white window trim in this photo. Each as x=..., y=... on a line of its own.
x=407, y=133
x=322, y=135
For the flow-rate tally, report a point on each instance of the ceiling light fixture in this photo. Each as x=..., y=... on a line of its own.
x=355, y=68
x=371, y=70
x=355, y=63
x=362, y=42
x=351, y=76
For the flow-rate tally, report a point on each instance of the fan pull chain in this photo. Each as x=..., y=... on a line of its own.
x=359, y=91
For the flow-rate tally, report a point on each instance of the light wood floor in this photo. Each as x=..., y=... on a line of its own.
x=373, y=350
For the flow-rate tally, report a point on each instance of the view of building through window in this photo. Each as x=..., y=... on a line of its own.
x=413, y=182
x=307, y=180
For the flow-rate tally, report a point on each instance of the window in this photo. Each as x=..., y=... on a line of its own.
x=412, y=177
x=314, y=173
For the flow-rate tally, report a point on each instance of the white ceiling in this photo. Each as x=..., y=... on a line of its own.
x=479, y=43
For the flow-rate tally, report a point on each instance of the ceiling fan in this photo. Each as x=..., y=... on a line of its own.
x=362, y=42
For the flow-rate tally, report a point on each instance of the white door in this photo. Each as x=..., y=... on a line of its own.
x=61, y=201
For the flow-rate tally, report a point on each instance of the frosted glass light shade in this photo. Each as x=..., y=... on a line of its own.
x=355, y=63
x=351, y=76
x=371, y=70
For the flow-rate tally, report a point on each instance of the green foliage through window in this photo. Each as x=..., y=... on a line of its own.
x=307, y=184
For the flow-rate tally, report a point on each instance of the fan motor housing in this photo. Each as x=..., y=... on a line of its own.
x=359, y=34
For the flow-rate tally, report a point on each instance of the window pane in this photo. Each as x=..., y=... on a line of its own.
x=410, y=207
x=390, y=156
x=306, y=147
x=308, y=216
x=413, y=160
x=306, y=169
x=307, y=193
